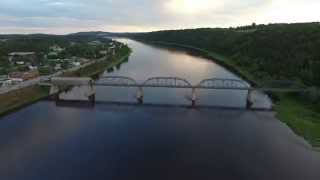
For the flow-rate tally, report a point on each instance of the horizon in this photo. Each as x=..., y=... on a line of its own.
x=101, y=31
x=60, y=17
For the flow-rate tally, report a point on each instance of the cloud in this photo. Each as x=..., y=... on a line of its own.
x=63, y=16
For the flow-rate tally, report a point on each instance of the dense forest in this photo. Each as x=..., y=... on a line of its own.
x=275, y=51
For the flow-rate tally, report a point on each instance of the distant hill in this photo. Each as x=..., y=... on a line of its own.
x=93, y=33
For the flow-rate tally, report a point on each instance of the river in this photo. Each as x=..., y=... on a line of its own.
x=121, y=141
x=153, y=61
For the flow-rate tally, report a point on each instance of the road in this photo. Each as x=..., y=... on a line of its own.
x=32, y=82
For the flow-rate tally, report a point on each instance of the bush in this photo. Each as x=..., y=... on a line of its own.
x=313, y=95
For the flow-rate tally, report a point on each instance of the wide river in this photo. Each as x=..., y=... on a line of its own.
x=123, y=141
x=150, y=61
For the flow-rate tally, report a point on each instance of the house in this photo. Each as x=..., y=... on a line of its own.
x=16, y=77
x=19, y=57
x=32, y=67
x=94, y=43
x=23, y=76
x=52, y=55
x=58, y=67
x=20, y=63
x=103, y=52
x=3, y=77
x=56, y=48
x=6, y=82
x=76, y=63
x=3, y=40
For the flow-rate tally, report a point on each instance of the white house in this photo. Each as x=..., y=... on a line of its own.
x=76, y=63
x=20, y=63
x=56, y=48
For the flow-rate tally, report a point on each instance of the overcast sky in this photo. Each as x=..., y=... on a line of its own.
x=64, y=16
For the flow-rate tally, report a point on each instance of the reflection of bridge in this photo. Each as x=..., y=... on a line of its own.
x=172, y=82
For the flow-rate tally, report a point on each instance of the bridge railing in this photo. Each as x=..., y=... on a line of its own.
x=117, y=81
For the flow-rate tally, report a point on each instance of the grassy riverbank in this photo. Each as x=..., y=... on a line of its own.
x=15, y=100
x=101, y=66
x=300, y=115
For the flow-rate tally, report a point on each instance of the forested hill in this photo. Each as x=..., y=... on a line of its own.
x=277, y=51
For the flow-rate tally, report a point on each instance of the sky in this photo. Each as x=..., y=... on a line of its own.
x=66, y=16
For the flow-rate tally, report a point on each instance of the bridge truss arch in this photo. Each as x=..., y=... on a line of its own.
x=117, y=81
x=223, y=84
x=167, y=82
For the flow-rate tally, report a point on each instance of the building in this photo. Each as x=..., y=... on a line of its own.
x=76, y=63
x=56, y=48
x=19, y=57
x=95, y=43
x=32, y=67
x=23, y=76
x=58, y=67
x=103, y=52
x=6, y=82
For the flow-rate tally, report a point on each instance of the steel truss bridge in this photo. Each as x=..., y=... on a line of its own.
x=172, y=82
x=175, y=82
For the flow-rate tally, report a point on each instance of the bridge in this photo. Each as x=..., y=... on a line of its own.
x=170, y=82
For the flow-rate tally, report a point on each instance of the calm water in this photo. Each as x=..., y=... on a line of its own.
x=108, y=141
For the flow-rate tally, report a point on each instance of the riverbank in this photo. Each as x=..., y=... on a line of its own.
x=17, y=99
x=20, y=98
x=100, y=66
x=291, y=109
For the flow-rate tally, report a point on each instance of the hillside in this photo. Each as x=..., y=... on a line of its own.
x=277, y=51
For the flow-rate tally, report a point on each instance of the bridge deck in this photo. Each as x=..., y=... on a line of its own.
x=71, y=81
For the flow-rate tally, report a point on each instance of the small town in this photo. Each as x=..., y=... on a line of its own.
x=20, y=68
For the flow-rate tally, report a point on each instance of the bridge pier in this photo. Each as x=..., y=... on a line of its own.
x=140, y=95
x=193, y=97
x=249, y=102
x=54, y=89
x=58, y=82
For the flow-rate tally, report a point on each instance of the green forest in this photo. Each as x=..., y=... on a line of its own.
x=276, y=51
